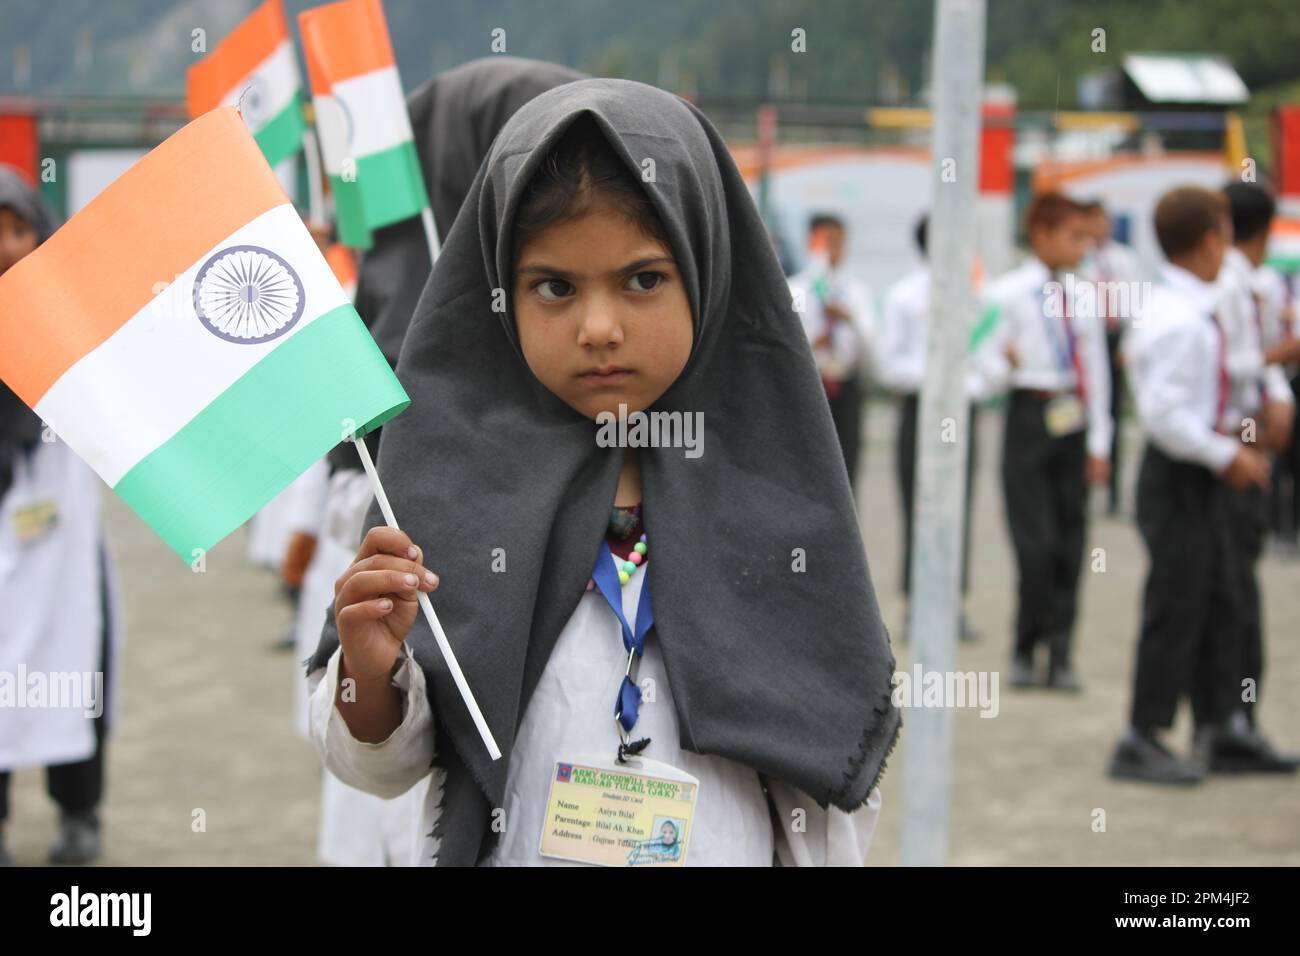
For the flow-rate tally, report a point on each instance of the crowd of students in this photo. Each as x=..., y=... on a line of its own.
x=1207, y=356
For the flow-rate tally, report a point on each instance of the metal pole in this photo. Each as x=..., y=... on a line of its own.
x=942, y=423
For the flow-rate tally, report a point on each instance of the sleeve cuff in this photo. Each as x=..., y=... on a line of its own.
x=386, y=769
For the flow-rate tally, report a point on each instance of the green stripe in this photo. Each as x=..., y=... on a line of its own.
x=349, y=213
x=1285, y=262
x=388, y=187
x=260, y=434
x=282, y=136
x=987, y=323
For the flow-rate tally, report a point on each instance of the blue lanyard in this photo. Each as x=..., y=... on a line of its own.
x=605, y=575
x=1066, y=355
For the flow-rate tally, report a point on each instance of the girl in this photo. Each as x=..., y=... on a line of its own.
x=60, y=611
x=609, y=260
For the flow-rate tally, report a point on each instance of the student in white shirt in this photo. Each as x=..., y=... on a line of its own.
x=1177, y=360
x=1049, y=349
x=1108, y=263
x=839, y=319
x=1261, y=409
x=901, y=368
x=761, y=668
x=1282, y=329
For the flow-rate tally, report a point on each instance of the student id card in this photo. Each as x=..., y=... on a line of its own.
x=634, y=814
x=1064, y=415
x=32, y=522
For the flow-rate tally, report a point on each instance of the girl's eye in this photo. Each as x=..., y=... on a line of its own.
x=552, y=290
x=646, y=281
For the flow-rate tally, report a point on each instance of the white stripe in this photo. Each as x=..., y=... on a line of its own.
x=164, y=366
x=273, y=83
x=377, y=108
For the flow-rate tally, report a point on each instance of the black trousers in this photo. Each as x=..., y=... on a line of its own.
x=1248, y=511
x=78, y=787
x=846, y=412
x=1046, y=500
x=1188, y=645
x=905, y=463
x=1284, y=502
x=1116, y=400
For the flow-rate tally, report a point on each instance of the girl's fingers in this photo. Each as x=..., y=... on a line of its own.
x=365, y=611
x=367, y=585
x=383, y=540
x=426, y=579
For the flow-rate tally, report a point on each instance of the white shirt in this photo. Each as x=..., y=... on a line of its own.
x=1114, y=262
x=571, y=713
x=904, y=342
x=1021, y=298
x=1241, y=315
x=850, y=346
x=1172, y=357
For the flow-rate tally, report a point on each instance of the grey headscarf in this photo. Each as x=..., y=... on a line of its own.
x=455, y=117
x=786, y=671
x=20, y=428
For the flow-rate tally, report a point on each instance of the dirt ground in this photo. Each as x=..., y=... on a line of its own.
x=206, y=713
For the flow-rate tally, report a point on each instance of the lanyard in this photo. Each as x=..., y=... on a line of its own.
x=1068, y=357
x=628, y=704
x=1221, y=404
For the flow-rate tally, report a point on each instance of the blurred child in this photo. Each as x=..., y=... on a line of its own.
x=1176, y=355
x=1049, y=349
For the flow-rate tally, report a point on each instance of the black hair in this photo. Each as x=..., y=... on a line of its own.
x=820, y=219
x=922, y=231
x=1252, y=208
x=580, y=168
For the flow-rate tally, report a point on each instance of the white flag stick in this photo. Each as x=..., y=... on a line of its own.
x=315, y=188
x=427, y=606
x=430, y=234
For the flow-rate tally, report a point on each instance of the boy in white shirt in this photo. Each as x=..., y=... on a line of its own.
x=1176, y=356
x=1261, y=407
x=1049, y=349
x=838, y=318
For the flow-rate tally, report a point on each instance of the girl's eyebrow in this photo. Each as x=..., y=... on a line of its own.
x=540, y=268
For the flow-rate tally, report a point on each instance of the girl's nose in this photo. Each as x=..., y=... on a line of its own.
x=599, y=325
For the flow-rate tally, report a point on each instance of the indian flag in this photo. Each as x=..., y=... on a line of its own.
x=185, y=336
x=255, y=69
x=1284, y=245
x=365, y=132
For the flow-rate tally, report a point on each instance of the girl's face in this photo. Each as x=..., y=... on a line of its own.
x=17, y=238
x=601, y=312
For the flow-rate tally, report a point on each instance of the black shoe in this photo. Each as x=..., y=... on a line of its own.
x=1022, y=672
x=1234, y=750
x=78, y=839
x=1064, y=679
x=1139, y=757
x=5, y=858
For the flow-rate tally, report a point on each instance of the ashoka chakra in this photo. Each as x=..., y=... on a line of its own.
x=248, y=294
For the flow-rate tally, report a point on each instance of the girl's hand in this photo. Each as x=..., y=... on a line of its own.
x=376, y=600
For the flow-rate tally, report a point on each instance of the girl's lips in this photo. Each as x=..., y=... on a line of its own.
x=612, y=377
